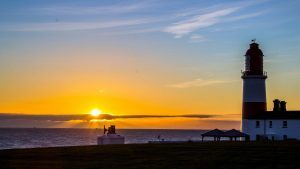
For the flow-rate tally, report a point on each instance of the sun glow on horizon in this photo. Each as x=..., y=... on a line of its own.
x=95, y=112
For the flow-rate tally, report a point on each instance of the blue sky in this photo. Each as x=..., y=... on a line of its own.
x=187, y=53
x=217, y=23
x=190, y=19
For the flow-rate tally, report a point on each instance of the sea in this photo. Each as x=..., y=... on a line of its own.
x=15, y=138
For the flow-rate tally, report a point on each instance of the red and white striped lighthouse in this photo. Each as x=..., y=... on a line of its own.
x=254, y=88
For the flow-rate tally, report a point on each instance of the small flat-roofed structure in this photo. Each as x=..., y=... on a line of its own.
x=216, y=134
x=234, y=134
x=231, y=134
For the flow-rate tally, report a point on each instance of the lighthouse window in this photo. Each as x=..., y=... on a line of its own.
x=247, y=64
x=257, y=124
x=270, y=124
x=284, y=124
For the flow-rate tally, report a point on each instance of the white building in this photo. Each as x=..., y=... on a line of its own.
x=257, y=122
x=110, y=137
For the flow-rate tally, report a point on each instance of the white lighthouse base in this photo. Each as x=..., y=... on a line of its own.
x=110, y=139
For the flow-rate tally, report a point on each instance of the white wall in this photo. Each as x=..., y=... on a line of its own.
x=277, y=130
x=110, y=139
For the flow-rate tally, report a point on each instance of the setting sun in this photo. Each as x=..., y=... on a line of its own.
x=95, y=112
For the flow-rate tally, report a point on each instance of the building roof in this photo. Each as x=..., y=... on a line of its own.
x=274, y=115
x=234, y=133
x=220, y=133
x=213, y=133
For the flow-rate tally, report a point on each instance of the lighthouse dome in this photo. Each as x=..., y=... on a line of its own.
x=254, y=50
x=254, y=60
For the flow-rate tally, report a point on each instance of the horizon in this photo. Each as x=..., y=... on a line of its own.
x=146, y=65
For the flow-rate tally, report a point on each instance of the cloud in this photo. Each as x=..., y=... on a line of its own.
x=101, y=18
x=188, y=21
x=91, y=10
x=87, y=117
x=197, y=38
x=133, y=25
x=245, y=16
x=9, y=116
x=215, y=7
x=201, y=116
x=184, y=27
x=68, y=26
x=197, y=83
x=195, y=19
x=131, y=31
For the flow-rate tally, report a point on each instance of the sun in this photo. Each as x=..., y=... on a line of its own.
x=95, y=112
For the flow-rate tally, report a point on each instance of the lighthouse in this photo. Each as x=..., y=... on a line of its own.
x=257, y=122
x=254, y=86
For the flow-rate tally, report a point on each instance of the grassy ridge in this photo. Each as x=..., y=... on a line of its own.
x=223, y=155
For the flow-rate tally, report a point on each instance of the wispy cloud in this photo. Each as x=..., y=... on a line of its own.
x=92, y=10
x=184, y=22
x=10, y=116
x=199, y=21
x=245, y=16
x=200, y=116
x=87, y=117
x=197, y=83
x=69, y=26
x=197, y=38
x=83, y=121
x=215, y=7
x=131, y=31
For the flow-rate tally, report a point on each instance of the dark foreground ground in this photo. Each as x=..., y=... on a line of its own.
x=223, y=155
